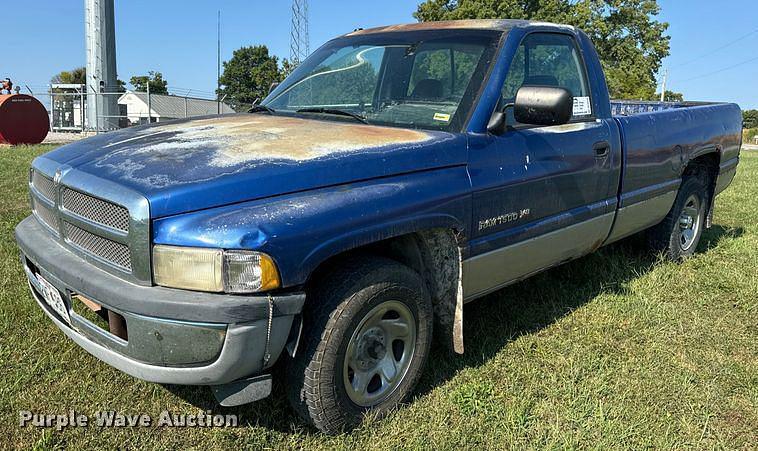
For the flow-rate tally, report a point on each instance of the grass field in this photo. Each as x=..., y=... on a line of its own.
x=615, y=350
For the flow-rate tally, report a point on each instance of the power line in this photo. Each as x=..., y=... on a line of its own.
x=728, y=44
x=721, y=70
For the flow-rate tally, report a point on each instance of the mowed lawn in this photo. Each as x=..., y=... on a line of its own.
x=615, y=350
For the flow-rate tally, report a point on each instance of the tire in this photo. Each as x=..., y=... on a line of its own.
x=678, y=236
x=353, y=333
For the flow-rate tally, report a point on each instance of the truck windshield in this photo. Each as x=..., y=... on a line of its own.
x=423, y=79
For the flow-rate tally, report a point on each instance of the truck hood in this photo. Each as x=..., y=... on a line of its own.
x=197, y=164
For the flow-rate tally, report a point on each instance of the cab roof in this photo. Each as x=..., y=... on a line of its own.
x=471, y=24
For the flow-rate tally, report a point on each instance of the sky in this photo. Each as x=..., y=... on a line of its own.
x=714, y=45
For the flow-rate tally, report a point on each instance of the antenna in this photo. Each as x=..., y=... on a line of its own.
x=299, y=38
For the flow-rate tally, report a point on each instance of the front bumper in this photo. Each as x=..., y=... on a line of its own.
x=174, y=336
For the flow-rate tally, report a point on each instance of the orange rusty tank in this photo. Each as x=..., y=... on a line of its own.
x=23, y=120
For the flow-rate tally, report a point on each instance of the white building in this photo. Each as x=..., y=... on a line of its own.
x=167, y=107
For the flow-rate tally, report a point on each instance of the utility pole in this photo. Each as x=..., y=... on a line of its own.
x=663, y=87
x=218, y=65
x=149, y=104
x=100, y=35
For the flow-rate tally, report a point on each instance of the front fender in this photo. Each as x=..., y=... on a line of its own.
x=302, y=230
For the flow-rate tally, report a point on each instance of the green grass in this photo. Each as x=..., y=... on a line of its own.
x=615, y=350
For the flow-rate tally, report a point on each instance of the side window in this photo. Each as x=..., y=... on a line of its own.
x=549, y=59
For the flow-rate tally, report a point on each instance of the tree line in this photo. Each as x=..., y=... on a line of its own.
x=247, y=77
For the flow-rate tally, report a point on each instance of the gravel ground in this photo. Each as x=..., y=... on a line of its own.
x=64, y=138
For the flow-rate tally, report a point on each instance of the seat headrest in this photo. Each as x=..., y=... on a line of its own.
x=428, y=88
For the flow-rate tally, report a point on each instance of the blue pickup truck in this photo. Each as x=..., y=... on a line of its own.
x=395, y=175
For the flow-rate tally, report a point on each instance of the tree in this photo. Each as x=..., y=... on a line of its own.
x=750, y=119
x=670, y=96
x=248, y=76
x=77, y=76
x=629, y=40
x=286, y=68
x=155, y=79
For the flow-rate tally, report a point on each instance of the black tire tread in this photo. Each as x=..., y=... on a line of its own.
x=660, y=238
x=330, y=302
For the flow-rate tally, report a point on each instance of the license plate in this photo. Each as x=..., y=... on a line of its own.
x=53, y=298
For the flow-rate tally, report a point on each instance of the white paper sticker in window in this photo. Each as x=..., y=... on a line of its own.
x=582, y=106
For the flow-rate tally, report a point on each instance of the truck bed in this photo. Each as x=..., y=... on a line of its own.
x=659, y=139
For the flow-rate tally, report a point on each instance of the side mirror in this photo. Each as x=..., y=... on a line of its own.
x=543, y=105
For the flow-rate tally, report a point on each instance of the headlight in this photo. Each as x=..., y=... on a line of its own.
x=213, y=270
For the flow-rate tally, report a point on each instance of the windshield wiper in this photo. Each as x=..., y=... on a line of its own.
x=261, y=109
x=335, y=112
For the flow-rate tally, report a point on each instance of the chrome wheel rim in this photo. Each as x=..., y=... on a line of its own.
x=689, y=222
x=379, y=353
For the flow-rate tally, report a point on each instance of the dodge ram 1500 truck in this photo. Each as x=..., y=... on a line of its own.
x=396, y=174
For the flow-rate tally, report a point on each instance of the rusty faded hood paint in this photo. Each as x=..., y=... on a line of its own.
x=196, y=164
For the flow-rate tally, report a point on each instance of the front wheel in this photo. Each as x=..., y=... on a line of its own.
x=366, y=337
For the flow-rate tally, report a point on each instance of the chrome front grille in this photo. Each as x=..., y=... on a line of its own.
x=44, y=185
x=112, y=234
x=104, y=248
x=46, y=215
x=96, y=210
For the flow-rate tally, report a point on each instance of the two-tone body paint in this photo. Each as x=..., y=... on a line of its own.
x=492, y=209
x=658, y=146
x=547, y=179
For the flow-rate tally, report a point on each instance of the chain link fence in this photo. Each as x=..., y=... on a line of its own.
x=69, y=107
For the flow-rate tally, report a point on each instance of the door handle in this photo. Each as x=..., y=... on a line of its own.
x=602, y=149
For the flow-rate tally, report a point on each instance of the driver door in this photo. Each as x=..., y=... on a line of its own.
x=542, y=195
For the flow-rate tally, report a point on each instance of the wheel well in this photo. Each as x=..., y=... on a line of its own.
x=435, y=255
x=707, y=168
x=704, y=165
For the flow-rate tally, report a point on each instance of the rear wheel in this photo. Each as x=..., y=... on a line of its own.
x=679, y=234
x=366, y=337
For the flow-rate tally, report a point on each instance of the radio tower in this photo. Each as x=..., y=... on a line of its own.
x=299, y=39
